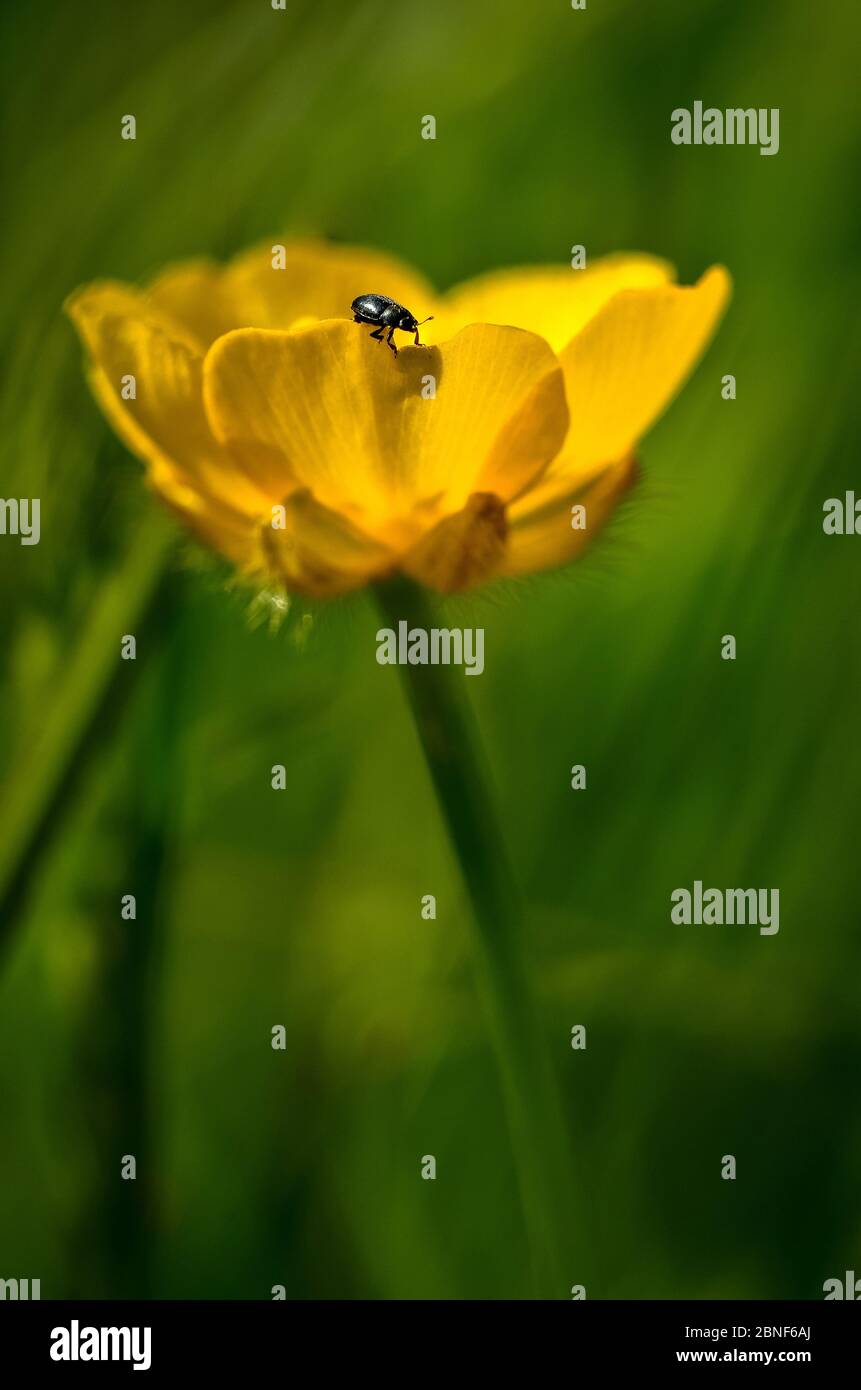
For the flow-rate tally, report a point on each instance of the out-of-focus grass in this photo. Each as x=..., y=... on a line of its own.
x=303, y=1168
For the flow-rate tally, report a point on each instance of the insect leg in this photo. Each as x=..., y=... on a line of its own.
x=390, y=343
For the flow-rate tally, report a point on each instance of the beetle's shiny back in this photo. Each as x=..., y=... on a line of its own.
x=376, y=305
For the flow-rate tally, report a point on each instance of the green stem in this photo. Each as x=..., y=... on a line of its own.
x=449, y=737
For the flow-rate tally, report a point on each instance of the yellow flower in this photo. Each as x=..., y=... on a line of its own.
x=289, y=440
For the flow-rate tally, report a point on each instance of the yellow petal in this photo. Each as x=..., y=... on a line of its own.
x=339, y=414
x=540, y=537
x=235, y=535
x=197, y=295
x=629, y=360
x=165, y=423
x=553, y=301
x=462, y=549
x=317, y=551
x=319, y=280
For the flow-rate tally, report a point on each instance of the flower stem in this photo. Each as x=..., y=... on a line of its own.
x=449, y=737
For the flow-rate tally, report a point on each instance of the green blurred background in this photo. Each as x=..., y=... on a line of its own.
x=301, y=1168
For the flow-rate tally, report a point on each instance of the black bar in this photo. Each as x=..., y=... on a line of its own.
x=412, y=1340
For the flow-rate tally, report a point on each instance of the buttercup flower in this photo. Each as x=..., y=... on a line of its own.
x=311, y=456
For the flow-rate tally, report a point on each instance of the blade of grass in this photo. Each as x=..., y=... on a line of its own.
x=119, y=1226
x=89, y=698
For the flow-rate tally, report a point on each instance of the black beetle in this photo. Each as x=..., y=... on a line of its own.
x=385, y=313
